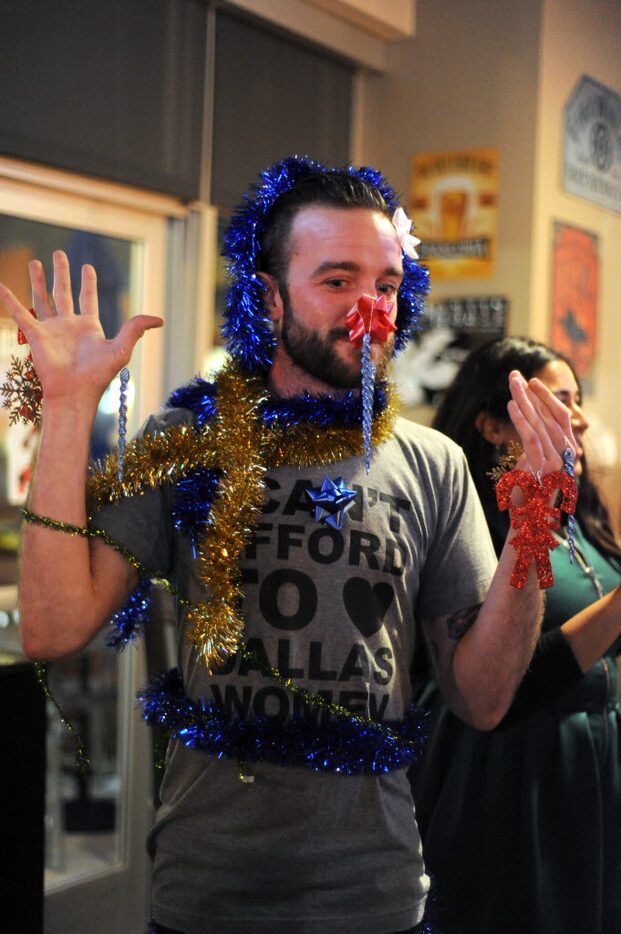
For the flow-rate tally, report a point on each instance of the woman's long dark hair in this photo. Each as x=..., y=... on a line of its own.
x=482, y=385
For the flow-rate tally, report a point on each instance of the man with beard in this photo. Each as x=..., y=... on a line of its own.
x=297, y=573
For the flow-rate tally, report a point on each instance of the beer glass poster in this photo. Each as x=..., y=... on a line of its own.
x=453, y=203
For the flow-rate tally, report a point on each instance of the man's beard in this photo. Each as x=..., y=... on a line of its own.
x=317, y=356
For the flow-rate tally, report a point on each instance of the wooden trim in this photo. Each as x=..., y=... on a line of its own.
x=92, y=188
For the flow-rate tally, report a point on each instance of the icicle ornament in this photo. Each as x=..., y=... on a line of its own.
x=369, y=320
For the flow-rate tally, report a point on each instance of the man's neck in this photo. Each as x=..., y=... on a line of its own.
x=286, y=379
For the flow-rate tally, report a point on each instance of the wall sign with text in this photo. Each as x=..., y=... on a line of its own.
x=592, y=144
x=453, y=203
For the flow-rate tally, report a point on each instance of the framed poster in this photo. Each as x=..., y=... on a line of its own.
x=453, y=203
x=592, y=144
x=575, y=277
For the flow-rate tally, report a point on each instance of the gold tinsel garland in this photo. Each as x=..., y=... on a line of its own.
x=238, y=443
x=149, y=462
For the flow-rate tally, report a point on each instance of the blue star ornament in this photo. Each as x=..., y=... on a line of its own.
x=331, y=501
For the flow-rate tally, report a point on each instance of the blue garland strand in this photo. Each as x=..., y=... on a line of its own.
x=247, y=327
x=568, y=467
x=321, y=410
x=345, y=745
x=123, y=381
x=192, y=501
x=128, y=623
x=199, y=397
x=368, y=385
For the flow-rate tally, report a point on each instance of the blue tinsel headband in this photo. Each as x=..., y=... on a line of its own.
x=247, y=327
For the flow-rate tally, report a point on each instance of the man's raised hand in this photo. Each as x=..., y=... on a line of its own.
x=543, y=423
x=71, y=354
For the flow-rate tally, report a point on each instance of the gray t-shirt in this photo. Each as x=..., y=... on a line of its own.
x=335, y=610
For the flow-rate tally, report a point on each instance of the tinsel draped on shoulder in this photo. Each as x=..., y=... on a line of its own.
x=245, y=434
x=300, y=431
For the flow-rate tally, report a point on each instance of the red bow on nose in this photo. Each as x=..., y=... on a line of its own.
x=370, y=316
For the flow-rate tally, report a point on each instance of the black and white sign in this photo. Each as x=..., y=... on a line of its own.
x=592, y=144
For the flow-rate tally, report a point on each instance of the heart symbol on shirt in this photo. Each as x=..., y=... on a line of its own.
x=367, y=603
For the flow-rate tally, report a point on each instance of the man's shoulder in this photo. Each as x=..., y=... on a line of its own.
x=428, y=442
x=165, y=419
x=193, y=403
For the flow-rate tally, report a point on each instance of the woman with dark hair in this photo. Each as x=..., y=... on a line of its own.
x=522, y=826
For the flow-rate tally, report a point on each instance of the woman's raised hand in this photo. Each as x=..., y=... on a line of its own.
x=543, y=423
x=71, y=354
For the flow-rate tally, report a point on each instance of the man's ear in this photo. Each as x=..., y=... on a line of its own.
x=492, y=428
x=271, y=296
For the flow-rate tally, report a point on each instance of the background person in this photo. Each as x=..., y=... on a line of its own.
x=521, y=826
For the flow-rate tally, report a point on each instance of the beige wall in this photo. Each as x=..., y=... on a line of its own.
x=467, y=79
x=579, y=37
x=480, y=73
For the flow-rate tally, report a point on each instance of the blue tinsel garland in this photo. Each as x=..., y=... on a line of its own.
x=128, y=623
x=345, y=745
x=322, y=410
x=199, y=397
x=247, y=328
x=192, y=503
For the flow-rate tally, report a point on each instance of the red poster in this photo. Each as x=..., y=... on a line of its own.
x=575, y=277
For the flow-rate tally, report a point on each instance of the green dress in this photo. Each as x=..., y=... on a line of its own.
x=521, y=826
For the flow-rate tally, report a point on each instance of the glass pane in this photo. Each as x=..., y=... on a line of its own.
x=82, y=810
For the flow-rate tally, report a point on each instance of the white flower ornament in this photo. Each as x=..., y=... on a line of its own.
x=403, y=225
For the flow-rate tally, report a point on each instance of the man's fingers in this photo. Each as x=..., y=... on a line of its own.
x=534, y=429
x=132, y=331
x=20, y=315
x=531, y=445
x=542, y=421
x=63, y=299
x=89, y=303
x=555, y=414
x=40, y=297
x=555, y=429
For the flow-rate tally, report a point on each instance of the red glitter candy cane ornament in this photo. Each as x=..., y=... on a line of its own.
x=535, y=519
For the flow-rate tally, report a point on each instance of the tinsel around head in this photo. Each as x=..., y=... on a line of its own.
x=247, y=329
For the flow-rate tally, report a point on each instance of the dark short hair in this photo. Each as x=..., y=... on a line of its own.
x=336, y=189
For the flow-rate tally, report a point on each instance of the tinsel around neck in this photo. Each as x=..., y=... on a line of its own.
x=199, y=396
x=299, y=431
x=241, y=444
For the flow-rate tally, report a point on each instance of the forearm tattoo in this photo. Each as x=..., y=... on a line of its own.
x=460, y=622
